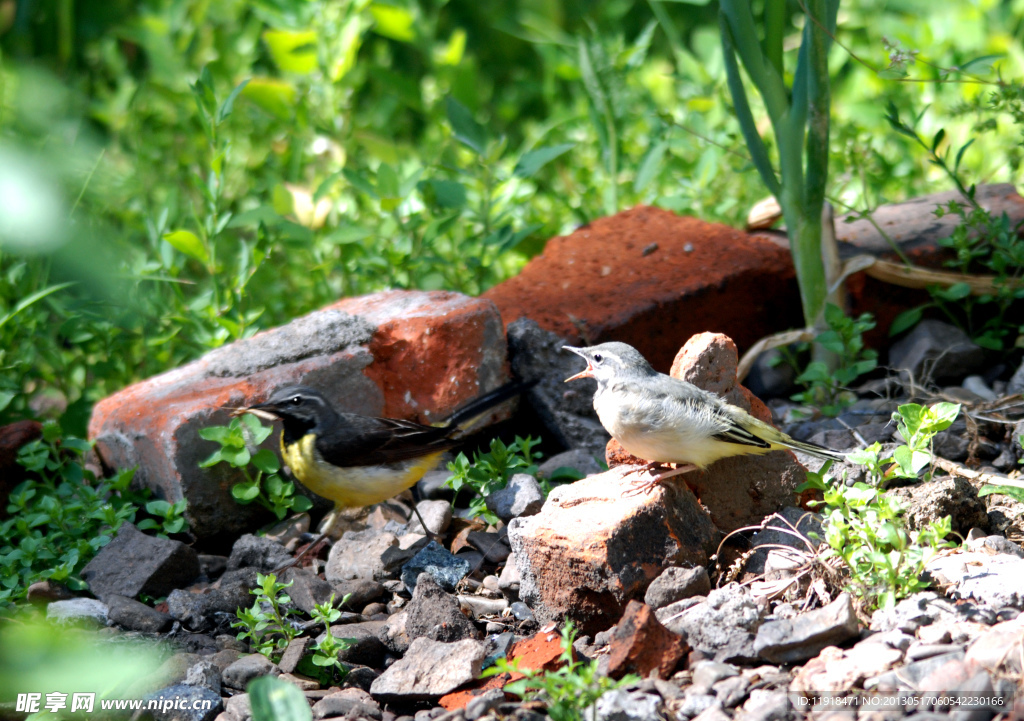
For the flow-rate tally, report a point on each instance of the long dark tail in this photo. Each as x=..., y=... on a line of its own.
x=813, y=449
x=484, y=403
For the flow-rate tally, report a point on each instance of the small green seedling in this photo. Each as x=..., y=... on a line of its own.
x=263, y=486
x=275, y=700
x=325, y=651
x=918, y=426
x=267, y=625
x=1014, y=492
x=490, y=472
x=167, y=518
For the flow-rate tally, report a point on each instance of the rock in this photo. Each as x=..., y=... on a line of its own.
x=492, y=545
x=12, y=437
x=357, y=554
x=669, y=294
x=723, y=627
x=805, y=522
x=397, y=354
x=487, y=701
x=479, y=606
x=361, y=592
x=194, y=610
x=592, y=548
x=567, y=414
x=732, y=691
x=366, y=648
x=238, y=707
x=136, y=616
x=134, y=563
x=1000, y=649
x=436, y=514
x=675, y=584
x=206, y=674
x=707, y=673
x=432, y=613
x=347, y=703
x=77, y=611
x=307, y=589
x=976, y=385
x=742, y=490
x=944, y=496
x=508, y=581
x=621, y=705
x=995, y=544
x=803, y=637
x=183, y=703
x=578, y=459
x=521, y=497
x=936, y=351
x=212, y=566
x=765, y=705
x=293, y=654
x=42, y=592
x=258, y=552
x=771, y=376
x=910, y=614
x=695, y=705
x=913, y=675
x=1016, y=384
x=641, y=645
x=996, y=581
x=444, y=567
x=429, y=670
x=241, y=672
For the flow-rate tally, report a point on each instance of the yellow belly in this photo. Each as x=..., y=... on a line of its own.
x=353, y=486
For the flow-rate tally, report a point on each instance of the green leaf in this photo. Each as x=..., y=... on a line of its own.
x=274, y=96
x=229, y=103
x=187, y=242
x=534, y=160
x=245, y=492
x=215, y=433
x=957, y=291
x=275, y=700
x=906, y=320
x=465, y=128
x=393, y=22
x=266, y=461
x=650, y=166
x=1014, y=492
x=444, y=193
x=300, y=504
x=293, y=51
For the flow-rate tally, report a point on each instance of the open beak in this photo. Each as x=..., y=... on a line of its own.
x=587, y=372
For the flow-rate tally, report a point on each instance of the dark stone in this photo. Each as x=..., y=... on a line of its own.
x=338, y=704
x=362, y=590
x=432, y=613
x=257, y=552
x=241, y=672
x=522, y=496
x=444, y=567
x=943, y=496
x=936, y=351
x=367, y=648
x=492, y=545
x=675, y=584
x=212, y=566
x=195, y=610
x=293, y=654
x=307, y=589
x=136, y=616
x=182, y=702
x=723, y=626
x=803, y=637
x=135, y=563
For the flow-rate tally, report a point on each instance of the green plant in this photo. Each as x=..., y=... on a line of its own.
x=799, y=117
x=865, y=531
x=325, y=651
x=275, y=700
x=918, y=426
x=490, y=471
x=825, y=386
x=1014, y=492
x=268, y=625
x=569, y=692
x=264, y=485
x=62, y=515
x=168, y=518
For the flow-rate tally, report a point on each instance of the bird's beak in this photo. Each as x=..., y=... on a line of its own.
x=587, y=372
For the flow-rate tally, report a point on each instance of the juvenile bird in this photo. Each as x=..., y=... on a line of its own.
x=667, y=420
x=357, y=460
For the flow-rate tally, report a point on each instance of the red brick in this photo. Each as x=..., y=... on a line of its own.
x=597, y=285
x=401, y=354
x=641, y=645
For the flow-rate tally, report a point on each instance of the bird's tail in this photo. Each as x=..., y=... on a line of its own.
x=813, y=449
x=470, y=412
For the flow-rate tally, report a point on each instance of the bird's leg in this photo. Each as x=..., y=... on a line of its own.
x=430, y=534
x=646, y=485
x=327, y=526
x=644, y=468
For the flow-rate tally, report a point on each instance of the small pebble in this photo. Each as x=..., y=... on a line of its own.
x=648, y=249
x=521, y=611
x=688, y=247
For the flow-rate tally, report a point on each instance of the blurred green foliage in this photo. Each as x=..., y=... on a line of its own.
x=176, y=174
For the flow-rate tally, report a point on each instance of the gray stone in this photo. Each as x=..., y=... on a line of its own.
x=293, y=654
x=522, y=496
x=909, y=614
x=771, y=376
x=195, y=610
x=135, y=563
x=366, y=648
x=996, y=544
x=429, y=670
x=345, y=703
x=695, y=703
x=675, y=584
x=432, y=613
x=951, y=496
x=480, y=606
x=492, y=545
x=765, y=705
x=77, y=611
x=732, y=691
x=803, y=637
x=723, y=626
x=567, y=413
x=508, y=580
x=578, y=459
x=184, y=703
x=976, y=385
x=257, y=552
x=443, y=566
x=307, y=589
x=361, y=591
x=357, y=554
x=136, y=616
x=483, y=703
x=621, y=705
x=241, y=672
x=433, y=485
x=238, y=707
x=936, y=351
x=778, y=533
x=707, y=673
x=206, y=674
x=1016, y=384
x=912, y=674
x=436, y=514
x=995, y=581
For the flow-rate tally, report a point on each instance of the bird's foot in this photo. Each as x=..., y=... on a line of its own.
x=313, y=548
x=654, y=474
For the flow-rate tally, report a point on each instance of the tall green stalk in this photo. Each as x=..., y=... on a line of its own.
x=800, y=122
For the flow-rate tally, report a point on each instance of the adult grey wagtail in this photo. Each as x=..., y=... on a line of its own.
x=666, y=420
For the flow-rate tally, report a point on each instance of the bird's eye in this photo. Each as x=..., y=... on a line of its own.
x=296, y=400
x=598, y=358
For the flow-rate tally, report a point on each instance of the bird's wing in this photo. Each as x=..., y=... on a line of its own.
x=364, y=441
